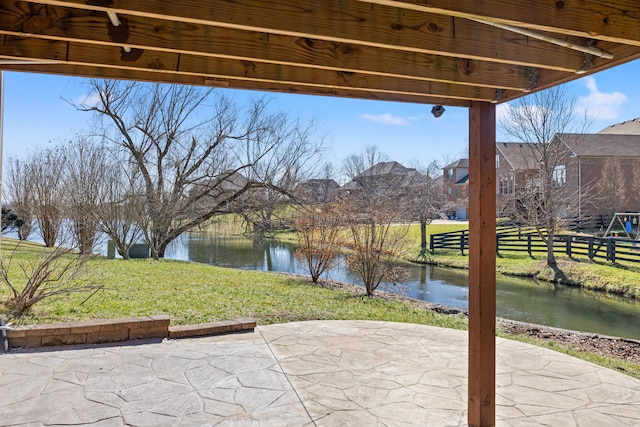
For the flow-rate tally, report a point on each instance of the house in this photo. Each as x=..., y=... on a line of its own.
x=399, y=186
x=516, y=168
x=318, y=190
x=380, y=177
x=602, y=170
x=455, y=188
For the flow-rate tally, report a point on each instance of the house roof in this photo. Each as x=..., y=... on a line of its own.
x=437, y=52
x=602, y=145
x=408, y=176
x=630, y=127
x=460, y=163
x=385, y=168
x=518, y=155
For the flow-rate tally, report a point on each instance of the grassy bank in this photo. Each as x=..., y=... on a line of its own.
x=620, y=278
x=594, y=275
x=197, y=293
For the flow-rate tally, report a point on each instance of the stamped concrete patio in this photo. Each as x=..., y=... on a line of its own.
x=324, y=373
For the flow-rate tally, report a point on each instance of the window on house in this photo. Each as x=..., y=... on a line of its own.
x=497, y=161
x=449, y=190
x=559, y=178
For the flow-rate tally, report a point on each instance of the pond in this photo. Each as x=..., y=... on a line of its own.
x=517, y=299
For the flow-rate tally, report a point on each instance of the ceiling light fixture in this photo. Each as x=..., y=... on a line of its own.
x=437, y=111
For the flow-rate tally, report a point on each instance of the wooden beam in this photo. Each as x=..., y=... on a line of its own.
x=77, y=25
x=482, y=264
x=610, y=20
x=222, y=68
x=353, y=23
x=167, y=77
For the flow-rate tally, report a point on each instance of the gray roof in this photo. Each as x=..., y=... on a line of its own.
x=460, y=163
x=602, y=145
x=519, y=155
x=385, y=168
x=630, y=127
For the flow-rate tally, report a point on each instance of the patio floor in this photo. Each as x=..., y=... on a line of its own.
x=323, y=373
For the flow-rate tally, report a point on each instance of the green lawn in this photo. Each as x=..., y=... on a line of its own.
x=197, y=293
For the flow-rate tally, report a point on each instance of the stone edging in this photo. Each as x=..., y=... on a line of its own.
x=117, y=330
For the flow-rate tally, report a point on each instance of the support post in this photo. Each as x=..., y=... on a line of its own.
x=482, y=264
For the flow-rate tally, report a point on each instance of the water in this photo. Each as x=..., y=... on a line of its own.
x=517, y=299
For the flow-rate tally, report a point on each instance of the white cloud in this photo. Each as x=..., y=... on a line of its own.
x=90, y=100
x=600, y=105
x=503, y=112
x=385, y=119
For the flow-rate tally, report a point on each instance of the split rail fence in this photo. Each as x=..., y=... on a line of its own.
x=510, y=239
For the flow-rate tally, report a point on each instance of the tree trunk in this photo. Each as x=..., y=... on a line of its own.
x=423, y=236
x=551, y=257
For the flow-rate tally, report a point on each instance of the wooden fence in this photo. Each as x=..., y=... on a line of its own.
x=527, y=241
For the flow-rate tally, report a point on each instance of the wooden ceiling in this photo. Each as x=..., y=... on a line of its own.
x=422, y=51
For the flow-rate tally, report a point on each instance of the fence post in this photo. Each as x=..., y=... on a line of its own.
x=568, y=245
x=611, y=250
x=529, y=244
x=590, y=251
x=497, y=244
x=462, y=243
x=431, y=243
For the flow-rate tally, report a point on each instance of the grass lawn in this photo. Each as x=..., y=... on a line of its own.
x=196, y=293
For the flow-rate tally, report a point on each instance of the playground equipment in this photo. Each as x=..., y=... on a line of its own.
x=628, y=222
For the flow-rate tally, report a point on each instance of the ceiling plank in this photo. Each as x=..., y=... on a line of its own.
x=154, y=61
x=136, y=74
x=609, y=20
x=179, y=37
x=354, y=22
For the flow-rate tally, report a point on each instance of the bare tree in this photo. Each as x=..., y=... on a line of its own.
x=53, y=273
x=319, y=236
x=86, y=173
x=357, y=163
x=377, y=243
x=187, y=150
x=18, y=193
x=546, y=203
x=36, y=188
x=427, y=201
x=120, y=204
x=278, y=173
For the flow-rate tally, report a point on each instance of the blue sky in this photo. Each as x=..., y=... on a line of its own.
x=36, y=115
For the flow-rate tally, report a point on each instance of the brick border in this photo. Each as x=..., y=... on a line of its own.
x=117, y=330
